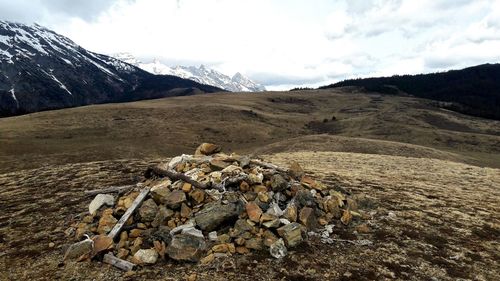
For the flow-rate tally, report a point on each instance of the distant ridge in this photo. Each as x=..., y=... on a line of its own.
x=42, y=70
x=473, y=90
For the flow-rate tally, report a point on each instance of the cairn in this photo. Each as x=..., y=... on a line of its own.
x=198, y=207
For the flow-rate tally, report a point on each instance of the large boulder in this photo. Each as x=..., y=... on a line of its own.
x=186, y=247
x=214, y=214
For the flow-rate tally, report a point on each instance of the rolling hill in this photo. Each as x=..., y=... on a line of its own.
x=261, y=123
x=473, y=90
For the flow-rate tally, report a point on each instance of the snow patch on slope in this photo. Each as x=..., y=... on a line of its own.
x=13, y=95
x=61, y=85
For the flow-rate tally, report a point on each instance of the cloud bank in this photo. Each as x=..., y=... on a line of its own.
x=281, y=43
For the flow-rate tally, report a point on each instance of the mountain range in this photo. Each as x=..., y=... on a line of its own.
x=202, y=74
x=42, y=70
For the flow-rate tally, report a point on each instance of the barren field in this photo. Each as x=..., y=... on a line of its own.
x=244, y=123
x=427, y=182
x=426, y=218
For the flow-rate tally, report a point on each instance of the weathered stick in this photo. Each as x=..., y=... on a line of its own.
x=108, y=190
x=175, y=176
x=267, y=166
x=121, y=264
x=119, y=225
x=229, y=181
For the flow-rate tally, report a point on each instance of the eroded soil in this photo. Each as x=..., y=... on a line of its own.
x=427, y=219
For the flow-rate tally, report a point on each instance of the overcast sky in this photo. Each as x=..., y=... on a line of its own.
x=281, y=43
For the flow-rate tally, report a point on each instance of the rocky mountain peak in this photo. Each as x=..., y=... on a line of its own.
x=201, y=74
x=40, y=70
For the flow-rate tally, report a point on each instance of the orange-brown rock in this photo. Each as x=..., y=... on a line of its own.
x=254, y=211
x=308, y=218
x=207, y=149
x=106, y=222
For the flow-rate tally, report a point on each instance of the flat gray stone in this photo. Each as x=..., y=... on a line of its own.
x=214, y=214
x=99, y=201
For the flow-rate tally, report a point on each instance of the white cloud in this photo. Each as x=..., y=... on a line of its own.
x=282, y=43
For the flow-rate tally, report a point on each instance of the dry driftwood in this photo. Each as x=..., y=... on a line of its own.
x=109, y=189
x=119, y=225
x=267, y=165
x=119, y=263
x=175, y=176
x=180, y=176
x=230, y=181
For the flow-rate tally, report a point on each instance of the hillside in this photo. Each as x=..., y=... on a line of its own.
x=42, y=70
x=474, y=90
x=270, y=123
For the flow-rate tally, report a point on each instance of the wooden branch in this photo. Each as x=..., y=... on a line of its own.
x=119, y=225
x=121, y=264
x=267, y=165
x=230, y=181
x=176, y=176
x=109, y=189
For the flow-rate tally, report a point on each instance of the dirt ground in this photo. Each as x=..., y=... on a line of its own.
x=427, y=219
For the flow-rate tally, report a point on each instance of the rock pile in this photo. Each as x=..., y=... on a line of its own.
x=212, y=204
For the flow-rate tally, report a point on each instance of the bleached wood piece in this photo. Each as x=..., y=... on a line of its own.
x=267, y=165
x=177, y=176
x=109, y=189
x=119, y=225
x=117, y=262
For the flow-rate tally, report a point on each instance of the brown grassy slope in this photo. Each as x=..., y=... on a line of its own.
x=427, y=218
x=241, y=122
x=325, y=142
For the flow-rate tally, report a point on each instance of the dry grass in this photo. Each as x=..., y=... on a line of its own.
x=240, y=122
x=430, y=214
x=428, y=218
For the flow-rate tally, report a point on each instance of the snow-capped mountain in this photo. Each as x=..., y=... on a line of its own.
x=40, y=70
x=201, y=74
